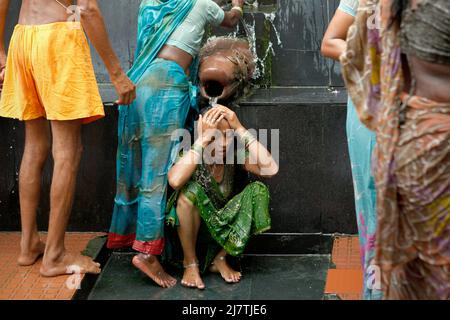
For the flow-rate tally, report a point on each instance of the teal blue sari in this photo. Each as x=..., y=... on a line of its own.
x=361, y=143
x=145, y=148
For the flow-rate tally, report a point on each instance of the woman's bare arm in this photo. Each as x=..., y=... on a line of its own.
x=233, y=16
x=94, y=25
x=185, y=167
x=333, y=43
x=260, y=161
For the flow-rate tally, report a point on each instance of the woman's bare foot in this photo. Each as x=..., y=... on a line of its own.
x=150, y=265
x=29, y=254
x=68, y=263
x=191, y=277
x=221, y=266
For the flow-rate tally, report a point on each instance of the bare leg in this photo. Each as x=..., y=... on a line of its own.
x=188, y=231
x=221, y=266
x=66, y=151
x=150, y=265
x=37, y=148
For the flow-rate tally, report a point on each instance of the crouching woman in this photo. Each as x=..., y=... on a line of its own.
x=205, y=204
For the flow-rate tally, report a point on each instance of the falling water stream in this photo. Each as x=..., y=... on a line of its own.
x=271, y=18
x=213, y=101
x=249, y=28
x=251, y=35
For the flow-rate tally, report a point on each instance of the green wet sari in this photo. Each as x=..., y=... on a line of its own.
x=228, y=220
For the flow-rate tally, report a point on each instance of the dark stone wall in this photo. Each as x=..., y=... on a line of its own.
x=296, y=62
x=95, y=184
x=300, y=24
x=313, y=191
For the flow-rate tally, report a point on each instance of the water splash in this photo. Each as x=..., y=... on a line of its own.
x=213, y=101
x=271, y=18
x=251, y=36
x=236, y=31
x=266, y=54
x=252, y=3
x=333, y=90
x=250, y=31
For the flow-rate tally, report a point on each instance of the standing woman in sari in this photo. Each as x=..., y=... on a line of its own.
x=397, y=69
x=361, y=142
x=169, y=38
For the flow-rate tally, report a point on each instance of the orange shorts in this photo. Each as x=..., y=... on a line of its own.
x=49, y=74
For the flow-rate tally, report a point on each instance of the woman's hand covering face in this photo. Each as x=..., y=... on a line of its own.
x=230, y=116
x=207, y=124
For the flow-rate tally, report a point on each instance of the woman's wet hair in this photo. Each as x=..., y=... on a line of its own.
x=204, y=110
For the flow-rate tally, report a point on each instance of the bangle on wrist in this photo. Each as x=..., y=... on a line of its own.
x=197, y=148
x=239, y=9
x=196, y=152
x=250, y=142
x=241, y=131
x=203, y=142
x=247, y=138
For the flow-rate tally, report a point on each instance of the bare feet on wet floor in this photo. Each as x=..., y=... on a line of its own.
x=30, y=253
x=221, y=266
x=191, y=277
x=68, y=263
x=150, y=265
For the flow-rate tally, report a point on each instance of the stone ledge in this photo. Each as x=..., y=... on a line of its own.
x=299, y=96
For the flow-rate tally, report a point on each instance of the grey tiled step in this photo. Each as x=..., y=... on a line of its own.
x=264, y=277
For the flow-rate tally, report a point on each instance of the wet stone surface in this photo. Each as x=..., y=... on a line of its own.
x=264, y=277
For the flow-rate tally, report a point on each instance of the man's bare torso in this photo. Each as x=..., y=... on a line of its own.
x=43, y=11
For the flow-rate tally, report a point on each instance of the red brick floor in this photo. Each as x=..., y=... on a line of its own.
x=346, y=280
x=25, y=283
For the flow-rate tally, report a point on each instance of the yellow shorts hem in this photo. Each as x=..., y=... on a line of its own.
x=86, y=118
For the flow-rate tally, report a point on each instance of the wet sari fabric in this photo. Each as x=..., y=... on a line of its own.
x=145, y=147
x=361, y=143
x=412, y=161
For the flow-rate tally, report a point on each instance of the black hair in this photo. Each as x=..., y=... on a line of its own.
x=204, y=110
x=398, y=6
